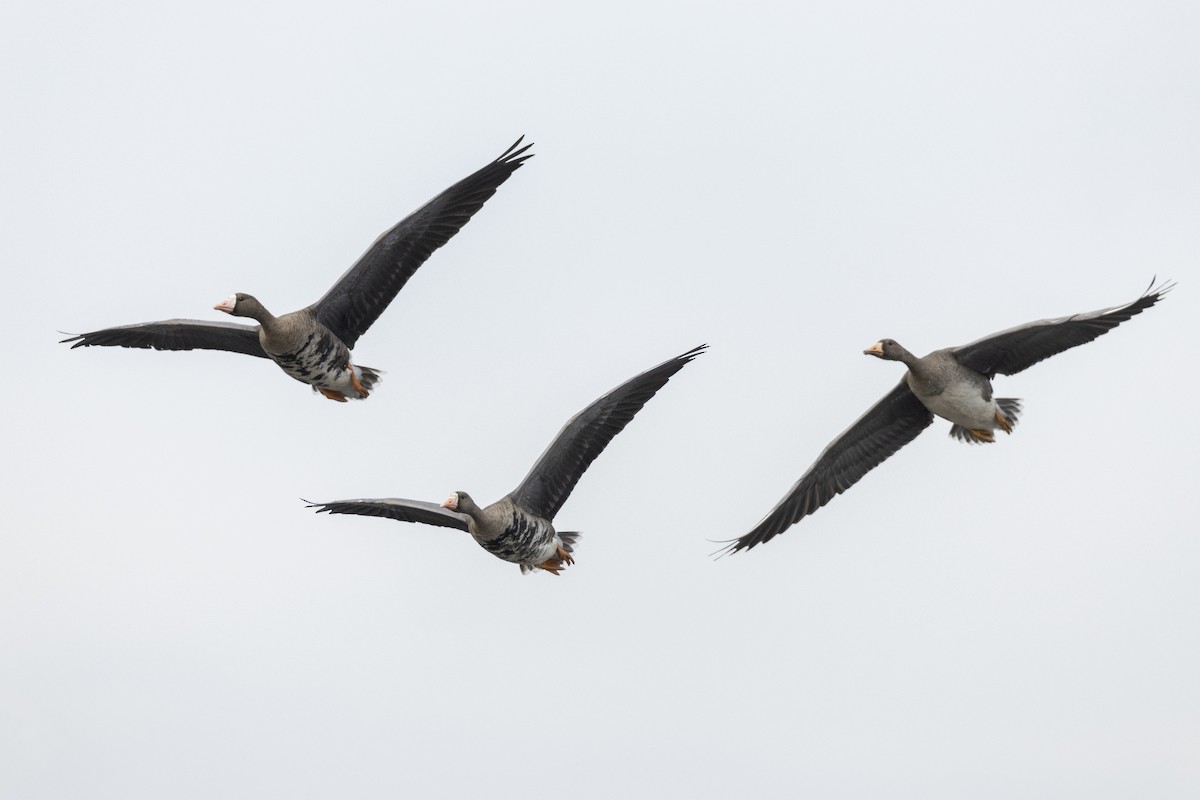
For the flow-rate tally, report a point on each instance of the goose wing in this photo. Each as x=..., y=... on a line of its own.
x=1008, y=352
x=890, y=424
x=396, y=508
x=353, y=304
x=176, y=334
x=584, y=437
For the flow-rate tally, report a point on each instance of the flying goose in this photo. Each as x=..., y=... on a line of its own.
x=518, y=527
x=955, y=384
x=313, y=344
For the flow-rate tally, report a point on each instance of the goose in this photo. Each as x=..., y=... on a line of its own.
x=519, y=527
x=313, y=344
x=954, y=383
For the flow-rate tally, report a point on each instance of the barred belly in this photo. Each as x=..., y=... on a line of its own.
x=320, y=361
x=525, y=540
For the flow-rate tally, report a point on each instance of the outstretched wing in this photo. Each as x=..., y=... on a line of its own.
x=549, y=483
x=396, y=508
x=891, y=423
x=1008, y=352
x=176, y=334
x=361, y=295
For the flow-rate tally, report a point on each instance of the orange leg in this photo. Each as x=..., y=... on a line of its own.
x=358, y=387
x=982, y=435
x=332, y=395
x=1003, y=422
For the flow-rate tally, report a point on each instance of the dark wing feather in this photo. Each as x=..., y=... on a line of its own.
x=362, y=294
x=1016, y=349
x=891, y=423
x=396, y=508
x=177, y=334
x=549, y=483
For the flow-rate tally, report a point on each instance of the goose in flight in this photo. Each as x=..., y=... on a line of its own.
x=313, y=344
x=519, y=526
x=955, y=384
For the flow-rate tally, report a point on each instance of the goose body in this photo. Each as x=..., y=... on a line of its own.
x=953, y=383
x=313, y=344
x=305, y=349
x=952, y=391
x=514, y=534
x=967, y=402
x=519, y=527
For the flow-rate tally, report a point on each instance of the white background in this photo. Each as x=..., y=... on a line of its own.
x=788, y=182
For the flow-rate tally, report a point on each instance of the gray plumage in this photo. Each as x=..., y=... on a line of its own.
x=519, y=527
x=347, y=310
x=954, y=383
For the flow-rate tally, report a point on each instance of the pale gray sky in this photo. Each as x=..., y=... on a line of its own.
x=788, y=182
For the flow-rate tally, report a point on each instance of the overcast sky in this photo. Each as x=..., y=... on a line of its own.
x=786, y=182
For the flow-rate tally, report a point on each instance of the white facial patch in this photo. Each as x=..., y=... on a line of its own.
x=451, y=502
x=227, y=305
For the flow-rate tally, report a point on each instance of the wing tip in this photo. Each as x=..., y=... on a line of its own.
x=1159, y=291
x=746, y=542
x=729, y=547
x=320, y=507
x=679, y=361
x=512, y=156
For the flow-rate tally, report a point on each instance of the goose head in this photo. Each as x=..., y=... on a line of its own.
x=241, y=305
x=887, y=349
x=462, y=503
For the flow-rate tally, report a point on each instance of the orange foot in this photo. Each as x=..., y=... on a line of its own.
x=332, y=395
x=358, y=387
x=558, y=563
x=1003, y=422
x=983, y=435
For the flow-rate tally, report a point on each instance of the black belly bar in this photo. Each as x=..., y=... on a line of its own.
x=521, y=539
